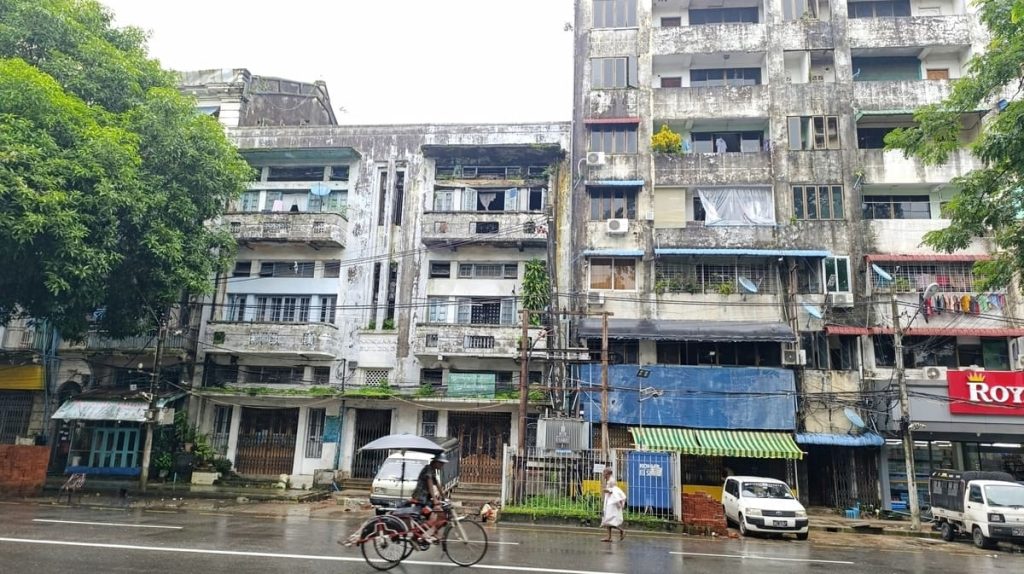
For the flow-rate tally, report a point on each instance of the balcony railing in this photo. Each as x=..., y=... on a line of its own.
x=21, y=339
x=484, y=227
x=893, y=168
x=100, y=342
x=309, y=339
x=909, y=32
x=326, y=229
x=712, y=169
x=475, y=341
x=709, y=102
x=899, y=94
x=709, y=38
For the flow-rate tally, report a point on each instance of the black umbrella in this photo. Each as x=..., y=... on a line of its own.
x=404, y=442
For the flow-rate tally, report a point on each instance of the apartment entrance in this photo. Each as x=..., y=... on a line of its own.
x=371, y=424
x=482, y=436
x=266, y=441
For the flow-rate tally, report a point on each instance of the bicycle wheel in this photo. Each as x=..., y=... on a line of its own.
x=464, y=542
x=385, y=535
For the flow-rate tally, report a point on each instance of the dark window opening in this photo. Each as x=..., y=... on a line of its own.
x=872, y=138
x=382, y=176
x=332, y=269
x=536, y=199
x=339, y=173
x=440, y=269
x=888, y=9
x=920, y=352
x=375, y=296
x=725, y=77
x=671, y=82
x=707, y=142
x=897, y=207
x=389, y=314
x=723, y=16
x=242, y=269
x=885, y=68
x=744, y=353
x=612, y=203
x=620, y=352
x=304, y=173
x=671, y=22
x=396, y=216
x=486, y=227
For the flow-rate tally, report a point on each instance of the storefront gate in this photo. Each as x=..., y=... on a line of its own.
x=482, y=437
x=371, y=424
x=266, y=441
x=15, y=412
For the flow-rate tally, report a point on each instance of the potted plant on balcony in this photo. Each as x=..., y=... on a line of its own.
x=666, y=141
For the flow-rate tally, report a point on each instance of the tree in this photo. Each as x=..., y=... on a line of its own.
x=108, y=176
x=990, y=200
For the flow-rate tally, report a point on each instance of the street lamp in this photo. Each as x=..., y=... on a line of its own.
x=644, y=393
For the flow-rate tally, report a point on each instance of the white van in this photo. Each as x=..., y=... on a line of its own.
x=758, y=504
x=395, y=481
x=987, y=506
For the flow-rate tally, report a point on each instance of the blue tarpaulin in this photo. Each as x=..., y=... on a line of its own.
x=827, y=439
x=736, y=398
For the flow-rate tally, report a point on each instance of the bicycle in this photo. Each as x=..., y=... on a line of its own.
x=395, y=535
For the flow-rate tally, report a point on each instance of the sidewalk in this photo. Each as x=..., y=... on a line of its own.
x=827, y=521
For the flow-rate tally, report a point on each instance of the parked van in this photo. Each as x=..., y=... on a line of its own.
x=758, y=504
x=987, y=506
x=396, y=479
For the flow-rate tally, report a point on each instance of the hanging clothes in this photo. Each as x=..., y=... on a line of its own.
x=965, y=303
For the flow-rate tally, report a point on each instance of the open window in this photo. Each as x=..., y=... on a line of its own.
x=740, y=206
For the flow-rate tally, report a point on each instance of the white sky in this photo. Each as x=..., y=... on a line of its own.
x=384, y=61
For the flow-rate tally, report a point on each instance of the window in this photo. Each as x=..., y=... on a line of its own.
x=488, y=270
x=613, y=72
x=287, y=268
x=332, y=269
x=282, y=309
x=813, y=132
x=221, y=428
x=745, y=353
x=886, y=68
x=303, y=173
x=619, y=351
x=723, y=16
x=888, y=9
x=328, y=306
x=236, y=307
x=975, y=495
x=440, y=269
x=872, y=138
x=382, y=200
x=321, y=376
x=486, y=311
x=837, y=274
x=798, y=9
x=274, y=375
x=443, y=200
x=614, y=274
x=951, y=277
x=725, y=77
x=897, y=207
x=437, y=310
x=949, y=352
x=613, y=138
x=671, y=82
x=242, y=269
x=612, y=203
x=339, y=173
x=250, y=201
x=490, y=199
x=315, y=432
x=671, y=22
x=818, y=202
x=428, y=419
x=614, y=13
x=746, y=142
x=675, y=275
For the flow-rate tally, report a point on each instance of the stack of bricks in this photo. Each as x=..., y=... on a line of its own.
x=23, y=469
x=703, y=514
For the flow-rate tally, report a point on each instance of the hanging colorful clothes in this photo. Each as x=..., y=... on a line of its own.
x=965, y=303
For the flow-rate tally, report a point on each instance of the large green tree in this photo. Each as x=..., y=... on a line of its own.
x=108, y=175
x=990, y=200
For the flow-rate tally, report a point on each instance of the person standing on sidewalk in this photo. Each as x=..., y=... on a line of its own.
x=614, y=503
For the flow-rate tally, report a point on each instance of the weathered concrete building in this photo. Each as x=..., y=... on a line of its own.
x=744, y=236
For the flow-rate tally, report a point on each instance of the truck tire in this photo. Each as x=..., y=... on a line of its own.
x=947, y=531
x=980, y=540
x=742, y=525
x=802, y=535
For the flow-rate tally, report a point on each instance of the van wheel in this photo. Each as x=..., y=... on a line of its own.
x=742, y=525
x=980, y=540
x=728, y=521
x=802, y=535
x=947, y=532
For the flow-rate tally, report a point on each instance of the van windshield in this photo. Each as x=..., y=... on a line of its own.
x=765, y=490
x=392, y=469
x=1000, y=495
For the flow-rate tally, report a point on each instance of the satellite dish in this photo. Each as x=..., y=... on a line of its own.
x=854, y=417
x=812, y=311
x=882, y=274
x=320, y=189
x=747, y=284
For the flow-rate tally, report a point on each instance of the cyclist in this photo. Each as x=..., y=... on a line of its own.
x=428, y=494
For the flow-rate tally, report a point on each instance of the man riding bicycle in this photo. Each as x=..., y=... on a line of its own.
x=428, y=494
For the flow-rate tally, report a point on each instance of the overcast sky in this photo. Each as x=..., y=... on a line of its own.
x=384, y=61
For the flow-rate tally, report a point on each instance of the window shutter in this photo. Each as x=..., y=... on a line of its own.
x=512, y=199
x=465, y=315
x=508, y=311
x=469, y=199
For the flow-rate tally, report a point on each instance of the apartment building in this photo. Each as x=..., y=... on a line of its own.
x=749, y=252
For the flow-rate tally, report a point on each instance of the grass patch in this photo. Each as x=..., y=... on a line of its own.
x=585, y=508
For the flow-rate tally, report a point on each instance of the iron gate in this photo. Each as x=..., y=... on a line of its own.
x=482, y=437
x=15, y=412
x=266, y=441
x=371, y=424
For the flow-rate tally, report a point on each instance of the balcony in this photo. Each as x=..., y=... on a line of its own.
x=98, y=342
x=20, y=338
x=899, y=94
x=483, y=341
x=453, y=228
x=712, y=102
x=613, y=104
x=696, y=234
x=709, y=38
x=893, y=168
x=312, y=340
x=804, y=34
x=906, y=236
x=909, y=32
x=617, y=167
x=712, y=169
x=317, y=229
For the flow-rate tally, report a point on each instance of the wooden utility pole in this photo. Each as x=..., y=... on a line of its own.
x=604, y=384
x=524, y=387
x=908, y=439
x=147, y=449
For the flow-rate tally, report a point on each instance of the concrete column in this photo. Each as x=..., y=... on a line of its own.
x=236, y=422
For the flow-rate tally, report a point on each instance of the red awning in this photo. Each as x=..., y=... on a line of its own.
x=953, y=332
x=593, y=121
x=941, y=257
x=846, y=330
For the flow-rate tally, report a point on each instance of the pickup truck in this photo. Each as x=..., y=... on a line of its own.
x=987, y=506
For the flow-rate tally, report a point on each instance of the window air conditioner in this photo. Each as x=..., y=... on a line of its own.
x=840, y=300
x=794, y=357
x=595, y=158
x=617, y=226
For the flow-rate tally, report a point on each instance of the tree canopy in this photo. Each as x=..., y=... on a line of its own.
x=990, y=200
x=108, y=175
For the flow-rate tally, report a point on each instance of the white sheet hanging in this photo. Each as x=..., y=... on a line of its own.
x=725, y=206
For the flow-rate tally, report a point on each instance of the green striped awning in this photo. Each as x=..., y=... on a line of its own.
x=748, y=444
x=655, y=438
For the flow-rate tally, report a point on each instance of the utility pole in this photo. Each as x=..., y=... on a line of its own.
x=604, y=384
x=908, y=439
x=524, y=387
x=147, y=449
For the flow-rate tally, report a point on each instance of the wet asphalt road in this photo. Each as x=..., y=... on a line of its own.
x=40, y=539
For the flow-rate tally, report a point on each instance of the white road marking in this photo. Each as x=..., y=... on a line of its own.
x=106, y=523
x=281, y=555
x=754, y=557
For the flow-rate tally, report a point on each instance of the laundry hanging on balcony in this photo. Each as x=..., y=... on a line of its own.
x=725, y=206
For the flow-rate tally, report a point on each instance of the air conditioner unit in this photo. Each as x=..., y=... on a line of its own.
x=563, y=435
x=616, y=226
x=840, y=300
x=595, y=158
x=595, y=298
x=794, y=357
x=935, y=373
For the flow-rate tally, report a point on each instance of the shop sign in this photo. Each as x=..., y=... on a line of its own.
x=986, y=392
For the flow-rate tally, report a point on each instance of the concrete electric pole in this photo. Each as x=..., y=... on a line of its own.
x=908, y=439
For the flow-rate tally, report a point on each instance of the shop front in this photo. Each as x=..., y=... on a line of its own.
x=974, y=420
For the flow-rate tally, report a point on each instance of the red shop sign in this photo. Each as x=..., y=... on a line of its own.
x=986, y=392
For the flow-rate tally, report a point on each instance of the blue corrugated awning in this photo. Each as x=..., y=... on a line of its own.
x=613, y=253
x=827, y=439
x=616, y=183
x=744, y=252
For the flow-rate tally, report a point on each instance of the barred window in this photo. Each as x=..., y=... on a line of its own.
x=953, y=277
x=315, y=432
x=678, y=276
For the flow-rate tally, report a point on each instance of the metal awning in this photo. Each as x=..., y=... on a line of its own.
x=689, y=330
x=700, y=442
x=830, y=439
x=615, y=183
x=744, y=252
x=127, y=411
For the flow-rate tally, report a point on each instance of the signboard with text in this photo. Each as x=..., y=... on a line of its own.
x=471, y=385
x=986, y=392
